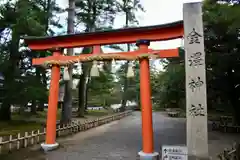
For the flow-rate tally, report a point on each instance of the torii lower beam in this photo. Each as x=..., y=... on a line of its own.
x=63, y=60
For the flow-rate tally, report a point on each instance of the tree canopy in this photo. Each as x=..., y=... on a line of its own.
x=221, y=31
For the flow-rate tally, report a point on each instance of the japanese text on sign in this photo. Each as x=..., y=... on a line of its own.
x=195, y=59
x=196, y=110
x=195, y=83
x=174, y=153
x=193, y=37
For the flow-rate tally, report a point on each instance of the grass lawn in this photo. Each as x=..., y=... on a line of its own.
x=26, y=122
x=16, y=126
x=98, y=113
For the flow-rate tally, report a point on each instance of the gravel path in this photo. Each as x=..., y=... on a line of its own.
x=121, y=140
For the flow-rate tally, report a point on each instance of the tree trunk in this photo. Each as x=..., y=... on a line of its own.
x=125, y=86
x=9, y=75
x=47, y=9
x=40, y=106
x=38, y=75
x=86, y=94
x=44, y=81
x=67, y=105
x=235, y=104
x=5, y=107
x=233, y=96
x=33, y=107
x=83, y=84
x=236, y=114
x=81, y=94
x=5, y=112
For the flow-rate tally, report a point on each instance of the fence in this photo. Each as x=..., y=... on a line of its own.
x=16, y=142
x=225, y=124
x=230, y=154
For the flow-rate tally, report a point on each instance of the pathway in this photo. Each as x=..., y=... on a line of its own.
x=121, y=140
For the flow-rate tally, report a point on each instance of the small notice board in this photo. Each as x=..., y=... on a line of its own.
x=174, y=152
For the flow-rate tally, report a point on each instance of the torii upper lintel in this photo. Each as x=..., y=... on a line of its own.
x=117, y=36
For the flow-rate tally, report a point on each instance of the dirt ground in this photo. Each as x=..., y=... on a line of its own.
x=121, y=140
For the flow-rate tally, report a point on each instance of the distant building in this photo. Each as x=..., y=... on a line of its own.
x=95, y=108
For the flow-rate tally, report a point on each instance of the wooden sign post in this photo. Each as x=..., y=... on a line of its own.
x=196, y=103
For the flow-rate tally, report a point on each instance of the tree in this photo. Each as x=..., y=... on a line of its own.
x=21, y=18
x=221, y=33
x=133, y=91
x=221, y=28
x=18, y=26
x=101, y=88
x=94, y=15
x=128, y=7
x=67, y=105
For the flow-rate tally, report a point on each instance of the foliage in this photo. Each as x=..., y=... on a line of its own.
x=168, y=88
x=100, y=88
x=23, y=83
x=133, y=90
x=97, y=14
x=100, y=15
x=222, y=46
x=221, y=27
x=129, y=8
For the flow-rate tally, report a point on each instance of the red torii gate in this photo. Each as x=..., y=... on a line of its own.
x=141, y=35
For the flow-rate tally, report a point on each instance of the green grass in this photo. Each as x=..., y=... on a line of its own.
x=17, y=126
x=40, y=115
x=98, y=113
x=26, y=122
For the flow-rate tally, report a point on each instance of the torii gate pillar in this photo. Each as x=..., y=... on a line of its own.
x=50, y=142
x=147, y=152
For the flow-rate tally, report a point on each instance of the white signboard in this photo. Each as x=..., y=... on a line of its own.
x=174, y=153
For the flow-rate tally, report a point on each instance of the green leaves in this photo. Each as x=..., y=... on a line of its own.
x=98, y=13
x=102, y=86
x=222, y=47
x=24, y=17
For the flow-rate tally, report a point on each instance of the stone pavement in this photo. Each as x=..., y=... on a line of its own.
x=121, y=140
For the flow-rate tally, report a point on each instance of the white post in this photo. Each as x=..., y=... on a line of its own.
x=18, y=141
x=1, y=145
x=196, y=102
